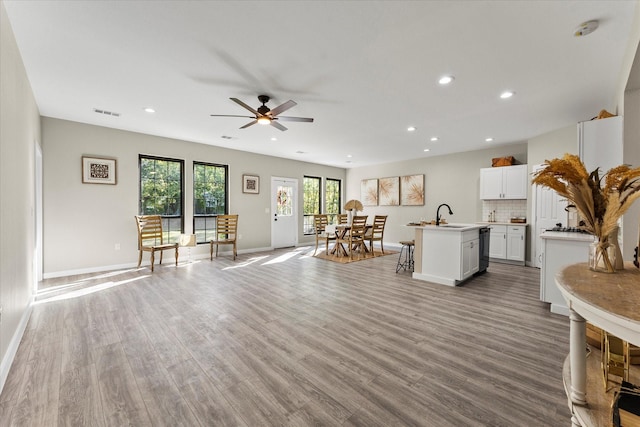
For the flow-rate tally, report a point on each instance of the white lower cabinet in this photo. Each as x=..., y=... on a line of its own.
x=515, y=243
x=498, y=241
x=470, y=258
x=507, y=242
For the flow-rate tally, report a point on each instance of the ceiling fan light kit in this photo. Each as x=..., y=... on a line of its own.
x=266, y=116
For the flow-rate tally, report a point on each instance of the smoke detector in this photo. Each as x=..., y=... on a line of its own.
x=585, y=28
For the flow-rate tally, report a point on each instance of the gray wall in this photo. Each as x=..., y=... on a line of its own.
x=91, y=219
x=19, y=134
x=453, y=179
x=631, y=219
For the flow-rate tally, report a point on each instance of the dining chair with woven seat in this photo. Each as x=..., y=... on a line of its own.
x=151, y=238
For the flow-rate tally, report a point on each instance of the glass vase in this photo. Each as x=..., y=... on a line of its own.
x=602, y=256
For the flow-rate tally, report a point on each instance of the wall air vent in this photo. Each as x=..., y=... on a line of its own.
x=106, y=113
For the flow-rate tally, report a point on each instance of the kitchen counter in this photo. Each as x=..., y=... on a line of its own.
x=563, y=235
x=451, y=227
x=522, y=224
x=560, y=248
x=447, y=254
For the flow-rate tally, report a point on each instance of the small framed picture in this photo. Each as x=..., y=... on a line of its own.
x=251, y=184
x=97, y=170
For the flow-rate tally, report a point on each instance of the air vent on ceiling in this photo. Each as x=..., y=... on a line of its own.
x=226, y=137
x=106, y=113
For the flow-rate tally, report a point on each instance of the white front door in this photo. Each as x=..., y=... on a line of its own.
x=284, y=212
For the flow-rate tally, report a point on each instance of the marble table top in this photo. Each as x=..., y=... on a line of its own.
x=617, y=293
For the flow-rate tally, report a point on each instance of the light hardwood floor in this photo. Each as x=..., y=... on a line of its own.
x=281, y=338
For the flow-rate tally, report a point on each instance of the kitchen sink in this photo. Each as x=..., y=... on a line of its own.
x=453, y=226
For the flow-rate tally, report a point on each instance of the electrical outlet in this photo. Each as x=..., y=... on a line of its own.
x=266, y=210
x=117, y=246
x=239, y=236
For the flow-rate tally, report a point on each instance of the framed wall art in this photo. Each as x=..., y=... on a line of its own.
x=369, y=192
x=412, y=190
x=98, y=170
x=250, y=184
x=389, y=191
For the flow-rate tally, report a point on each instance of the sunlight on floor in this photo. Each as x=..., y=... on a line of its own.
x=247, y=263
x=81, y=282
x=86, y=291
x=284, y=257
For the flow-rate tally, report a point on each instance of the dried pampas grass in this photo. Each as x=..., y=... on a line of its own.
x=600, y=207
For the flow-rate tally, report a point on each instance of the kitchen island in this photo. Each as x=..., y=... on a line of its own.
x=446, y=254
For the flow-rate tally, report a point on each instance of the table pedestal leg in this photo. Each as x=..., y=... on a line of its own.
x=578, y=358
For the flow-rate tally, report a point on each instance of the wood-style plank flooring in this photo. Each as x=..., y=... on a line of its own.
x=280, y=338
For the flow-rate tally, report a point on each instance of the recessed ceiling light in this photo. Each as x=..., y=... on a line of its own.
x=488, y=139
x=426, y=149
x=274, y=138
x=586, y=28
x=149, y=110
x=434, y=138
x=411, y=128
x=507, y=94
x=349, y=156
x=445, y=80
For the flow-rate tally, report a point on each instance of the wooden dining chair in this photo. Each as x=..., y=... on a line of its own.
x=342, y=218
x=354, y=239
x=226, y=232
x=376, y=232
x=151, y=238
x=320, y=223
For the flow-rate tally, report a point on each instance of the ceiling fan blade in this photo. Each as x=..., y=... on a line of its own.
x=231, y=115
x=283, y=107
x=242, y=104
x=295, y=119
x=278, y=125
x=250, y=124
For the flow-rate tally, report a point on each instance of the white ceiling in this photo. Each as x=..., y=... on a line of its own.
x=364, y=70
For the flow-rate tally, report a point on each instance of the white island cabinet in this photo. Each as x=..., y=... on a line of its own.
x=446, y=254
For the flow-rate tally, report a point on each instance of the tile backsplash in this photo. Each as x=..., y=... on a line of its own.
x=504, y=209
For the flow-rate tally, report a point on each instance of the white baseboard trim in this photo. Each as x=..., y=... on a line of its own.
x=7, y=360
x=145, y=263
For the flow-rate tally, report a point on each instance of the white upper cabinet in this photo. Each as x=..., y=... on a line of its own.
x=506, y=182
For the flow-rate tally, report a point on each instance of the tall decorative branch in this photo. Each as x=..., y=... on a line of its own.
x=600, y=207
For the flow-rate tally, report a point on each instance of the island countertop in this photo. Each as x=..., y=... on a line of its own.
x=451, y=227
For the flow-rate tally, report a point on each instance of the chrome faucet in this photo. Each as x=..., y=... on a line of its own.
x=438, y=212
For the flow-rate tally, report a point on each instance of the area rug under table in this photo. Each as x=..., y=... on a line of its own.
x=357, y=257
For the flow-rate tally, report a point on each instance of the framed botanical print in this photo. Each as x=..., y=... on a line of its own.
x=412, y=190
x=389, y=191
x=369, y=192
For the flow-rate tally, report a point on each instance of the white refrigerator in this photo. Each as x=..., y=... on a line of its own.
x=600, y=143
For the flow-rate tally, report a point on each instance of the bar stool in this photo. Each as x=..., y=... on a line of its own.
x=407, y=248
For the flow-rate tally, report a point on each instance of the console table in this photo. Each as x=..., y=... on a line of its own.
x=608, y=301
